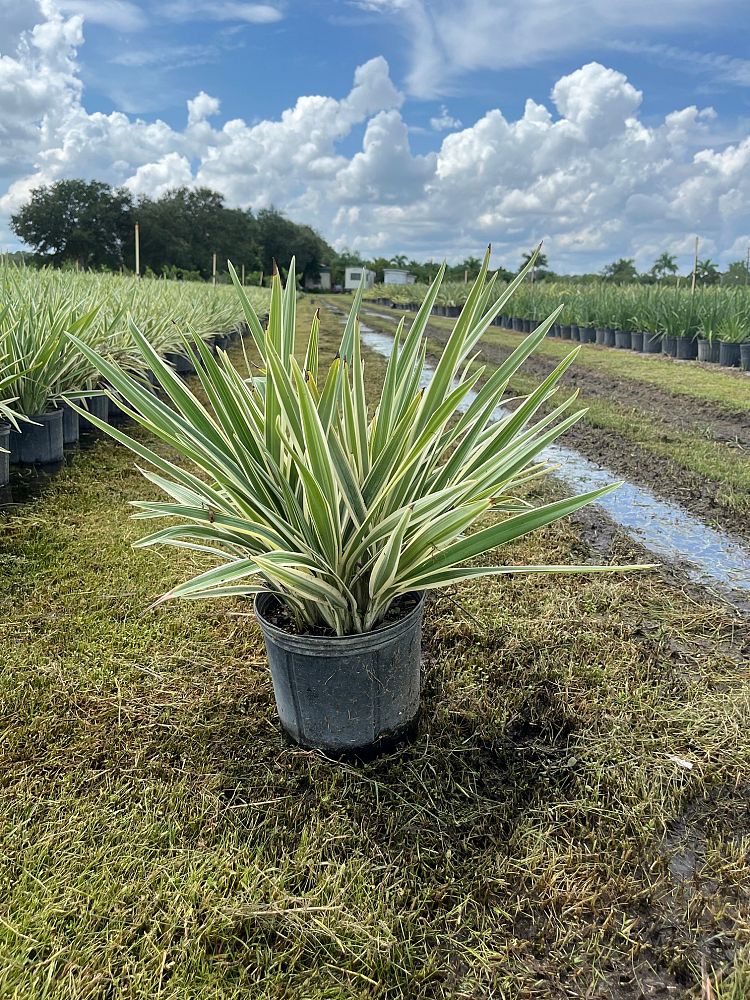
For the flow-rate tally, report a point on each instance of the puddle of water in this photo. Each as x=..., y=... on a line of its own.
x=710, y=557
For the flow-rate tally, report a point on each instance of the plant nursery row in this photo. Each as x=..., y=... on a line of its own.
x=710, y=325
x=44, y=375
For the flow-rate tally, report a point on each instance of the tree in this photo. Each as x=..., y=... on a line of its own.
x=707, y=272
x=736, y=274
x=76, y=221
x=620, y=270
x=185, y=227
x=665, y=264
x=540, y=264
x=280, y=239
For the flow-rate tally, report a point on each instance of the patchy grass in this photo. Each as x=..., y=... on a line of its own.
x=571, y=821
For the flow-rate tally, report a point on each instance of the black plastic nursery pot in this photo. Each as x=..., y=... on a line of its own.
x=745, y=357
x=40, y=442
x=609, y=336
x=517, y=324
x=354, y=694
x=71, y=425
x=180, y=362
x=623, y=340
x=687, y=349
x=669, y=346
x=4, y=454
x=575, y=333
x=565, y=331
x=651, y=343
x=600, y=335
x=587, y=334
x=636, y=341
x=708, y=351
x=99, y=407
x=729, y=354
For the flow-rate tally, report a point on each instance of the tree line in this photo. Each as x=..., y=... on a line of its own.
x=91, y=225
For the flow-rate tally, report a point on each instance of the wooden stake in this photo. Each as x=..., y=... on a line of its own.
x=214, y=269
x=137, y=250
x=695, y=265
x=243, y=275
x=261, y=279
x=466, y=277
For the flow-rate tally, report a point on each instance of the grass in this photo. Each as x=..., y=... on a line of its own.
x=571, y=821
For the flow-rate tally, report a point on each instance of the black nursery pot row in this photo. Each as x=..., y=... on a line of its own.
x=728, y=355
x=43, y=442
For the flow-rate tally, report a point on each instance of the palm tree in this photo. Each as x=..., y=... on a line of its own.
x=541, y=262
x=665, y=264
x=707, y=272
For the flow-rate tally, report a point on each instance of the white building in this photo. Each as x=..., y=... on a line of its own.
x=397, y=276
x=353, y=277
x=323, y=284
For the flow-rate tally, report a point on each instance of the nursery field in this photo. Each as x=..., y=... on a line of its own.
x=571, y=821
x=681, y=429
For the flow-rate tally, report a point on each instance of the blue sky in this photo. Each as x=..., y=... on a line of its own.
x=608, y=130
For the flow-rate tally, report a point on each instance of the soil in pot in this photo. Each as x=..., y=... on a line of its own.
x=708, y=351
x=40, y=442
x=350, y=695
x=729, y=354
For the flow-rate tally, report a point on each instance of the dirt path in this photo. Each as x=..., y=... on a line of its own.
x=660, y=475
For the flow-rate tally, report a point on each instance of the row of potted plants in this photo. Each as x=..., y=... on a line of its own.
x=42, y=369
x=727, y=354
x=688, y=325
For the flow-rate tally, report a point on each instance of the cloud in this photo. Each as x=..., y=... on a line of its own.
x=118, y=14
x=583, y=170
x=221, y=10
x=721, y=69
x=452, y=37
x=201, y=107
x=444, y=122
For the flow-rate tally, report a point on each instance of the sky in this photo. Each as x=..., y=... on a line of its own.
x=420, y=127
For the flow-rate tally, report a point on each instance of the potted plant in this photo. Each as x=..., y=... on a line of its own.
x=8, y=419
x=335, y=519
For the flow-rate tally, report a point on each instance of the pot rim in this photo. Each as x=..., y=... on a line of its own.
x=336, y=645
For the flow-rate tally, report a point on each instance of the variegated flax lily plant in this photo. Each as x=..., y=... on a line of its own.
x=299, y=490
